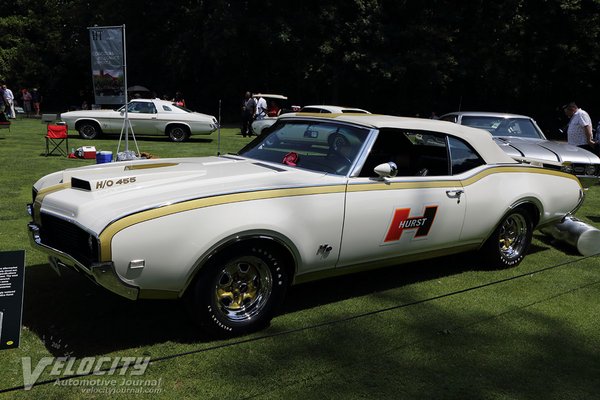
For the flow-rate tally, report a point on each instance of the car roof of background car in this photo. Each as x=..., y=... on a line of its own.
x=270, y=96
x=480, y=139
x=486, y=114
x=337, y=109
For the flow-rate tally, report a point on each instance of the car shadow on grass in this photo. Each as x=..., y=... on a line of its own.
x=593, y=218
x=161, y=139
x=344, y=287
x=89, y=320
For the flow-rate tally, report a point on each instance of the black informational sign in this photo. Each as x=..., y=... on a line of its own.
x=12, y=280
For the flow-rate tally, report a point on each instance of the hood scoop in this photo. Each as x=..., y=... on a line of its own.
x=77, y=183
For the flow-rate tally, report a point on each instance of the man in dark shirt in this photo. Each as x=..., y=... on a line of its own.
x=248, y=110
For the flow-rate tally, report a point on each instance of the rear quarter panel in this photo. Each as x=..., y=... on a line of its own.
x=494, y=191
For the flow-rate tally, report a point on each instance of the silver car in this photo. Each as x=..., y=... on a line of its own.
x=521, y=138
x=147, y=117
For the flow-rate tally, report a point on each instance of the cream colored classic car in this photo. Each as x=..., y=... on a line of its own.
x=147, y=117
x=231, y=233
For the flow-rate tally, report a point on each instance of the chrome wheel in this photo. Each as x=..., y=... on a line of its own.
x=509, y=242
x=242, y=288
x=88, y=130
x=513, y=236
x=178, y=134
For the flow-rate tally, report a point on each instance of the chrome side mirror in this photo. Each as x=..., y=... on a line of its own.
x=386, y=170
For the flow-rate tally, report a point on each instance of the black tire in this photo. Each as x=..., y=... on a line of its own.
x=88, y=130
x=508, y=244
x=178, y=133
x=240, y=290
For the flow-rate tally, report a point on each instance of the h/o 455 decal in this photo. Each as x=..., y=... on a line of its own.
x=106, y=183
x=401, y=222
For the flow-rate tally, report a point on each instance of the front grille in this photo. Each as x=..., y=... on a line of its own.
x=69, y=238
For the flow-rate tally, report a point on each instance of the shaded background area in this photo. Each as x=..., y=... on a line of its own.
x=397, y=57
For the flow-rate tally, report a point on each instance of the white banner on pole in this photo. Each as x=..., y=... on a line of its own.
x=108, y=66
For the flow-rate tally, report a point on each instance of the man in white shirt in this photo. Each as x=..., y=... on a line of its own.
x=579, y=132
x=9, y=98
x=261, y=108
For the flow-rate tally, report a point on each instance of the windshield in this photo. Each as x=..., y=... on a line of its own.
x=318, y=146
x=500, y=126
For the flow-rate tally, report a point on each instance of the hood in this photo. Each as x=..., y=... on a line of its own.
x=546, y=150
x=103, y=193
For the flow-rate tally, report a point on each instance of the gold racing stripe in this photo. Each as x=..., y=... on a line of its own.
x=416, y=184
x=148, y=166
x=112, y=229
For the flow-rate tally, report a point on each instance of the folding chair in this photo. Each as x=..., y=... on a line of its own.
x=56, y=136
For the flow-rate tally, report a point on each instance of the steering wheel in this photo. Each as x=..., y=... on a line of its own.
x=337, y=141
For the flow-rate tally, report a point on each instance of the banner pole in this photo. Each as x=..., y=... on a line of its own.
x=125, y=82
x=219, y=134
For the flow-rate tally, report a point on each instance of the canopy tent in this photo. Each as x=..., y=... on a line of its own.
x=142, y=91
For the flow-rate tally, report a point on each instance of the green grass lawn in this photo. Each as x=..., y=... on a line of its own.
x=441, y=329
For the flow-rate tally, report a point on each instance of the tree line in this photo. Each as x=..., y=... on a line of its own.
x=389, y=56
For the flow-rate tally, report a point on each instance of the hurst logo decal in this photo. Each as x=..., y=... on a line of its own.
x=402, y=221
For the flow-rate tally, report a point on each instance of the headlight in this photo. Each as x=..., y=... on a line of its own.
x=590, y=170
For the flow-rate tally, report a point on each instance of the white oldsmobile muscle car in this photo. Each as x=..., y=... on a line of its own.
x=229, y=234
x=147, y=117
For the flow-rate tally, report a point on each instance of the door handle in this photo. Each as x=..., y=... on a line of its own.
x=454, y=194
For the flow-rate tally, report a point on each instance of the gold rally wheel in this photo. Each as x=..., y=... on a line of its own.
x=508, y=244
x=240, y=290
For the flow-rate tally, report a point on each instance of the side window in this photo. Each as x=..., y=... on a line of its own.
x=463, y=156
x=141, y=107
x=415, y=153
x=133, y=107
x=429, y=155
x=166, y=108
x=150, y=109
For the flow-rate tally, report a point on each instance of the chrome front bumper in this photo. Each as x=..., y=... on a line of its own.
x=104, y=274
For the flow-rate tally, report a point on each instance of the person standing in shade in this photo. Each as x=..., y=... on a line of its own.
x=36, y=99
x=26, y=99
x=261, y=107
x=179, y=100
x=2, y=103
x=9, y=99
x=579, y=130
x=248, y=111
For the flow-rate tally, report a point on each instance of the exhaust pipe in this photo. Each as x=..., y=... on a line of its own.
x=585, y=238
